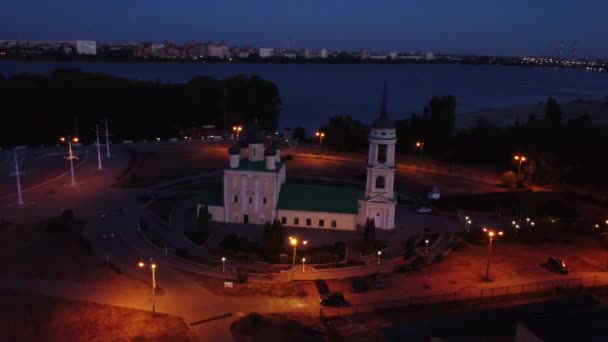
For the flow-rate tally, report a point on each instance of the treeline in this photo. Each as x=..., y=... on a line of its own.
x=557, y=151
x=36, y=109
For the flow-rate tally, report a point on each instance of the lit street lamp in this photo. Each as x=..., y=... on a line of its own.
x=153, y=269
x=321, y=135
x=379, y=254
x=303, y=264
x=237, y=130
x=516, y=230
x=426, y=247
x=223, y=264
x=70, y=157
x=420, y=146
x=520, y=159
x=294, y=243
x=467, y=225
x=491, y=234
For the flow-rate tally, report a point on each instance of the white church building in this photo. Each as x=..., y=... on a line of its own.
x=254, y=188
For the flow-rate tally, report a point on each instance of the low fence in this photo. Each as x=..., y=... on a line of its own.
x=466, y=295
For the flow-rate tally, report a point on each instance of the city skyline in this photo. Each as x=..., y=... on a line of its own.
x=484, y=28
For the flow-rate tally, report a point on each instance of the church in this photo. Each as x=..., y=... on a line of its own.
x=254, y=188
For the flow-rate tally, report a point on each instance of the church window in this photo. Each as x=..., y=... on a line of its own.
x=283, y=220
x=308, y=222
x=264, y=200
x=380, y=182
x=382, y=153
x=296, y=221
x=321, y=223
x=236, y=199
x=334, y=224
x=250, y=200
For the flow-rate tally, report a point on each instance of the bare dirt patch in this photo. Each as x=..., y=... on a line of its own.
x=292, y=289
x=39, y=318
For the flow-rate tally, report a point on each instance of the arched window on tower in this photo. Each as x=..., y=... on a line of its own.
x=380, y=182
x=382, y=153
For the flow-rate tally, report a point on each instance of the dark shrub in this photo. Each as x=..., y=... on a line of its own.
x=438, y=259
x=242, y=277
x=255, y=318
x=417, y=264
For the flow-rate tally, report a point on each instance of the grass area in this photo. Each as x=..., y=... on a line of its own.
x=39, y=318
x=277, y=327
x=153, y=237
x=163, y=206
x=300, y=289
x=29, y=250
x=197, y=237
x=537, y=204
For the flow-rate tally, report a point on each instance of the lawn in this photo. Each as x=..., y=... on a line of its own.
x=39, y=318
x=29, y=250
x=277, y=327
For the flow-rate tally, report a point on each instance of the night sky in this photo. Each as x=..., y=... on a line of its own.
x=493, y=27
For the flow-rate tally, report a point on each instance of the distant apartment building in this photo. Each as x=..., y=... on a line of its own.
x=86, y=47
x=323, y=53
x=364, y=54
x=219, y=50
x=265, y=52
x=393, y=54
x=429, y=56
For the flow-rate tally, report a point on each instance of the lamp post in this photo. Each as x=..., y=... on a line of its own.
x=107, y=138
x=70, y=157
x=153, y=269
x=223, y=264
x=18, y=177
x=420, y=146
x=426, y=247
x=516, y=230
x=237, y=130
x=99, y=166
x=520, y=159
x=467, y=225
x=321, y=135
x=294, y=243
x=491, y=234
x=303, y=264
x=379, y=254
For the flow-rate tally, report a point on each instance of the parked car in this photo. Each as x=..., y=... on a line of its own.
x=359, y=285
x=379, y=281
x=423, y=210
x=558, y=265
x=334, y=299
x=322, y=286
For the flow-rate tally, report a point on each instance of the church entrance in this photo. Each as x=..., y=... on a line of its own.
x=378, y=220
x=245, y=218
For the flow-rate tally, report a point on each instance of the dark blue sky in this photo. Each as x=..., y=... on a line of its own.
x=502, y=27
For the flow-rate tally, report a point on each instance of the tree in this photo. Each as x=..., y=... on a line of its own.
x=553, y=113
x=268, y=247
x=274, y=237
x=203, y=221
x=369, y=237
x=509, y=179
x=299, y=133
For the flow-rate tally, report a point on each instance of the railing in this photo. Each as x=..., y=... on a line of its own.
x=465, y=295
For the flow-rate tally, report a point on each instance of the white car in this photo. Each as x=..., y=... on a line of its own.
x=423, y=210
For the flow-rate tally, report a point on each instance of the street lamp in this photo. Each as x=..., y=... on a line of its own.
x=223, y=264
x=379, y=254
x=99, y=166
x=70, y=157
x=516, y=230
x=237, y=130
x=321, y=135
x=303, y=264
x=467, y=225
x=153, y=269
x=520, y=159
x=420, y=146
x=426, y=247
x=17, y=175
x=491, y=234
x=294, y=243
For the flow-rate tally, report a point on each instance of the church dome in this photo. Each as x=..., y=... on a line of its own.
x=234, y=149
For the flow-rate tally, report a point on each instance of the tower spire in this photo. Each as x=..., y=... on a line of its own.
x=383, y=112
x=383, y=121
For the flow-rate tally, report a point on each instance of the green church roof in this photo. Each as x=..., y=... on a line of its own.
x=323, y=198
x=260, y=166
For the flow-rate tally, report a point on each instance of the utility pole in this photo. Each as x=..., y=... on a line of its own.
x=225, y=106
x=18, y=176
x=99, y=166
x=107, y=138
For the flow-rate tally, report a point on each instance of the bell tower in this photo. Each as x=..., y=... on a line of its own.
x=380, y=199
